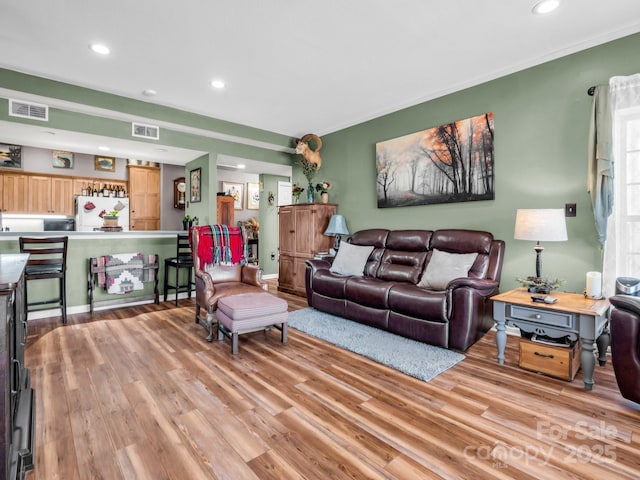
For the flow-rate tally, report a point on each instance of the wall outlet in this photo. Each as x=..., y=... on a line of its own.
x=273, y=256
x=569, y=209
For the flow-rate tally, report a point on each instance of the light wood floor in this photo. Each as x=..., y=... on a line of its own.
x=137, y=393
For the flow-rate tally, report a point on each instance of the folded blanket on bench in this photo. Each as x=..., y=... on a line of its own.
x=125, y=272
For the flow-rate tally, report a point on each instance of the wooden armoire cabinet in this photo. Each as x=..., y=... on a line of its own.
x=301, y=236
x=225, y=210
x=144, y=198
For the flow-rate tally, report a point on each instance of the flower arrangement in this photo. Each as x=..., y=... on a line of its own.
x=296, y=191
x=254, y=224
x=323, y=187
x=540, y=285
x=308, y=169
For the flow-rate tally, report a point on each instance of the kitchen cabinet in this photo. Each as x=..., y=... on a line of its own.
x=17, y=402
x=14, y=196
x=144, y=195
x=301, y=236
x=50, y=195
x=225, y=211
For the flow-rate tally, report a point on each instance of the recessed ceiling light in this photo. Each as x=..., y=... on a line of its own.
x=163, y=150
x=149, y=92
x=545, y=6
x=240, y=165
x=101, y=49
x=217, y=84
x=103, y=148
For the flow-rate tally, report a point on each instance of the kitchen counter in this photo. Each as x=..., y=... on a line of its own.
x=83, y=246
x=92, y=235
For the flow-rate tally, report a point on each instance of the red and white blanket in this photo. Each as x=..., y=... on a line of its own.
x=221, y=245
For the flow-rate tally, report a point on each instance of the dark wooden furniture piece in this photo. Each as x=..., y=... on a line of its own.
x=183, y=259
x=17, y=402
x=47, y=260
x=95, y=270
x=225, y=212
x=301, y=237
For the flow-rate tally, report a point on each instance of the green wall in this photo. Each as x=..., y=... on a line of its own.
x=541, y=126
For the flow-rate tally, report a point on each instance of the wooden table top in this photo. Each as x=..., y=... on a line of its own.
x=567, y=302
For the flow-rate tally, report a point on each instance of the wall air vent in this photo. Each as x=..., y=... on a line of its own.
x=35, y=111
x=145, y=131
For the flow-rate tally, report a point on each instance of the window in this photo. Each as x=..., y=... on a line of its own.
x=627, y=192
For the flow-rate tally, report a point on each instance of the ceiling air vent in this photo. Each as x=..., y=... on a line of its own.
x=145, y=131
x=35, y=111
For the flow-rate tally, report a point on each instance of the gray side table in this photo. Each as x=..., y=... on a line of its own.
x=573, y=315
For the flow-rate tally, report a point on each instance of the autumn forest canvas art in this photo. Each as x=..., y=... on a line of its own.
x=449, y=163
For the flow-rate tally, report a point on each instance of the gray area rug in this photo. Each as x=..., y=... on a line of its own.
x=408, y=356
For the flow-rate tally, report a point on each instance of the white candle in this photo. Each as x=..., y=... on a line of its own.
x=594, y=284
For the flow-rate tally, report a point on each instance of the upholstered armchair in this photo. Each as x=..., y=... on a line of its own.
x=214, y=281
x=625, y=344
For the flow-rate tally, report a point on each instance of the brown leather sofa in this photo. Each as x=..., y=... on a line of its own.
x=387, y=295
x=214, y=282
x=625, y=344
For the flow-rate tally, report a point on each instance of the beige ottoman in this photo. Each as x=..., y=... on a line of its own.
x=250, y=312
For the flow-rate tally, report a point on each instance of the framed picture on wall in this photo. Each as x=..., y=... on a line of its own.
x=253, y=196
x=105, y=164
x=195, y=181
x=62, y=159
x=10, y=156
x=234, y=190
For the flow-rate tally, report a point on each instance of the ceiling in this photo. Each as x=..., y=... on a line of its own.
x=297, y=66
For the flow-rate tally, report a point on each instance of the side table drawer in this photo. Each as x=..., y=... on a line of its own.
x=559, y=362
x=547, y=317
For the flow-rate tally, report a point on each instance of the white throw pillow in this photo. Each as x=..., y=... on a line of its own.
x=444, y=267
x=351, y=259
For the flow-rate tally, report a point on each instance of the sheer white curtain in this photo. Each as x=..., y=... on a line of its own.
x=622, y=246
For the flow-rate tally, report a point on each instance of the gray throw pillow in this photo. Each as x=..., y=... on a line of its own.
x=351, y=259
x=444, y=267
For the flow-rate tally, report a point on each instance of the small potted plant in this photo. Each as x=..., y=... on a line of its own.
x=323, y=188
x=187, y=222
x=110, y=218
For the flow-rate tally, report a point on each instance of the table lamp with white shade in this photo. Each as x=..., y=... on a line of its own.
x=546, y=225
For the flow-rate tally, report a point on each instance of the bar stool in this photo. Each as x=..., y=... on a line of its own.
x=183, y=259
x=47, y=260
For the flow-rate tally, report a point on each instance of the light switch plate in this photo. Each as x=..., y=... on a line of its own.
x=569, y=209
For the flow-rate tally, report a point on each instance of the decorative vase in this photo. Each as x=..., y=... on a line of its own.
x=310, y=193
x=324, y=196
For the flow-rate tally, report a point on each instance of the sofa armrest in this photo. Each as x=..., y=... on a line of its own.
x=253, y=276
x=317, y=264
x=483, y=286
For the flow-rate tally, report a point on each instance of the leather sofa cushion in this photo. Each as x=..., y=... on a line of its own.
x=329, y=285
x=369, y=291
x=413, y=301
x=399, y=266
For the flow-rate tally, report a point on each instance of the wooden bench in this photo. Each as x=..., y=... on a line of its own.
x=151, y=262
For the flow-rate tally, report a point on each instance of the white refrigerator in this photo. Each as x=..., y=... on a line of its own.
x=89, y=212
